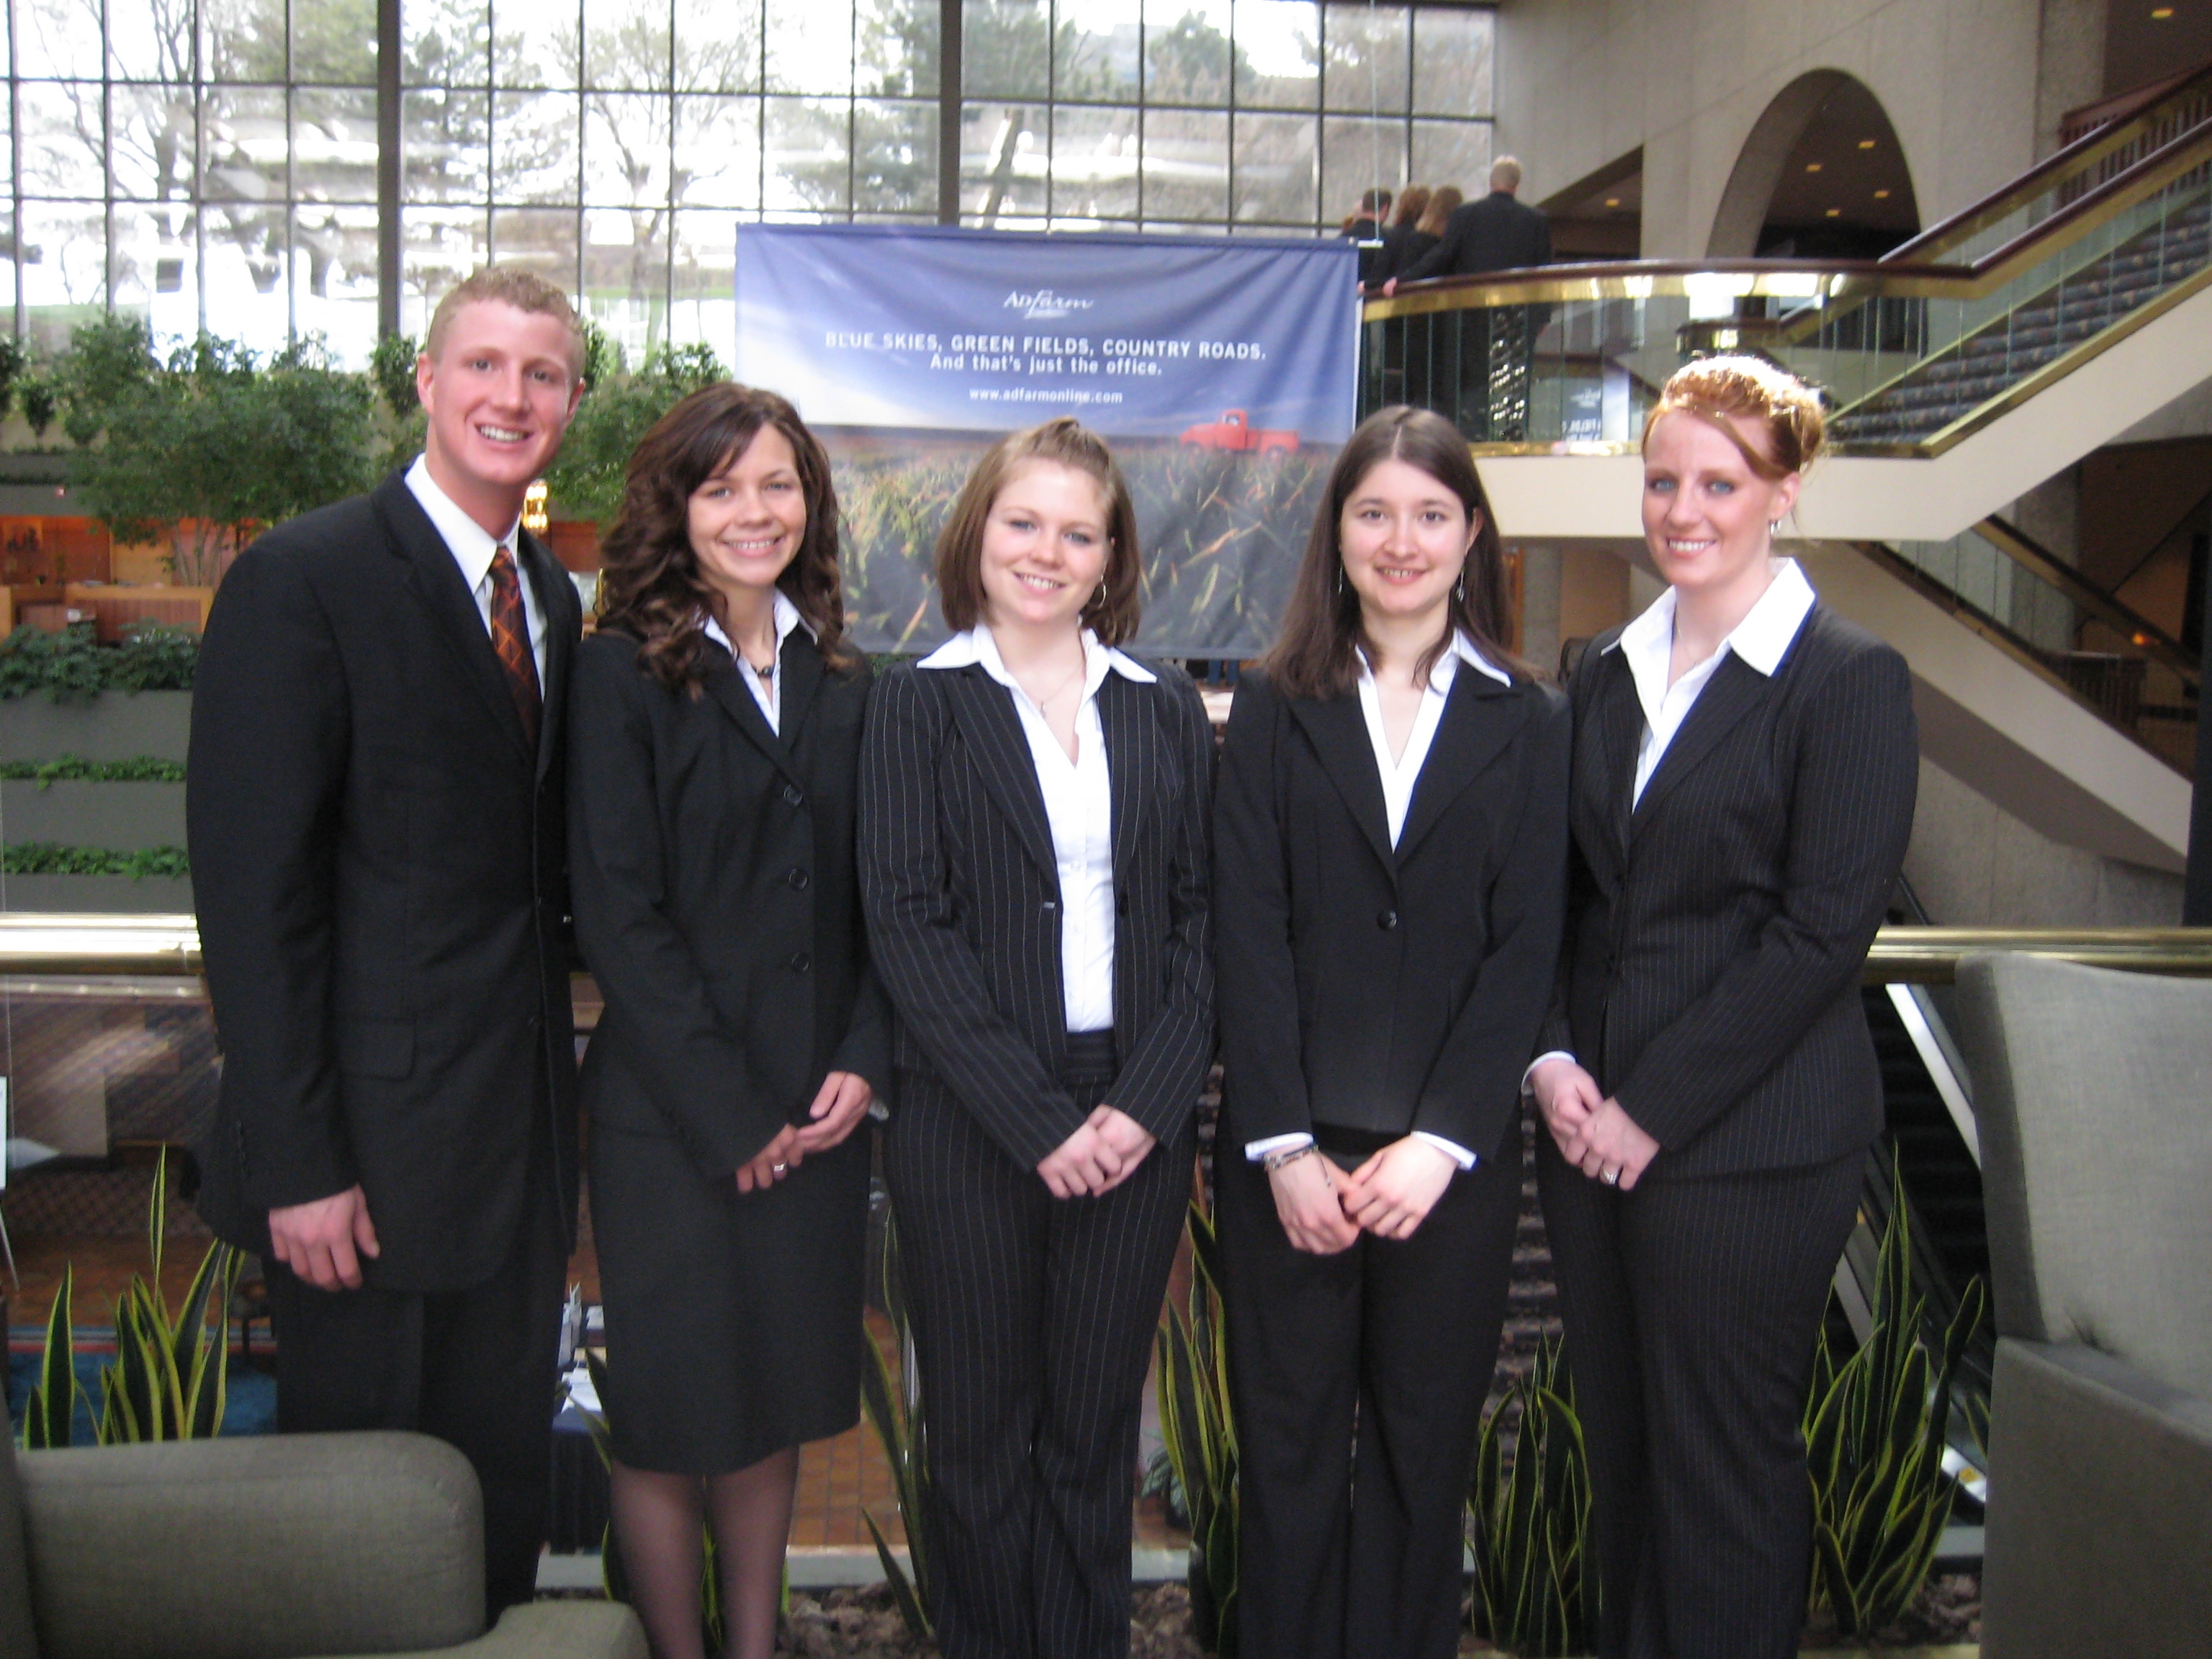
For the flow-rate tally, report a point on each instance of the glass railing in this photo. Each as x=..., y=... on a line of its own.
x=1914, y=350
x=2026, y=600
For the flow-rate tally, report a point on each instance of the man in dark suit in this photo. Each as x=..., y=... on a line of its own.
x=376, y=824
x=1497, y=233
x=1364, y=228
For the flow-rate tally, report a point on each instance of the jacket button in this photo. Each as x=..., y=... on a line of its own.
x=1387, y=921
x=799, y=880
x=801, y=962
x=791, y=794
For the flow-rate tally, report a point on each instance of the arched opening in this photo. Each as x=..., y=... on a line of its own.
x=1821, y=176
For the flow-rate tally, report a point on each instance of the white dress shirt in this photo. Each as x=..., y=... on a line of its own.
x=1400, y=773
x=767, y=693
x=1079, y=806
x=473, y=547
x=1647, y=645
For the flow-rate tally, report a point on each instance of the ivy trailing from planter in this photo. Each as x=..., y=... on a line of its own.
x=1875, y=1429
x=74, y=768
x=46, y=858
x=71, y=666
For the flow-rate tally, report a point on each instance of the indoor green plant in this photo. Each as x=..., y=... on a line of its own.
x=1200, y=1427
x=1534, y=1591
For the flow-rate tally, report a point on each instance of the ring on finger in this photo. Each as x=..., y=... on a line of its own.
x=1613, y=1177
x=781, y=1169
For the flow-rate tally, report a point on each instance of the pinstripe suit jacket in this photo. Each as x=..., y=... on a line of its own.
x=1716, y=933
x=961, y=893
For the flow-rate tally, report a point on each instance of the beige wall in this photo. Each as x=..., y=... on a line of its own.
x=1581, y=82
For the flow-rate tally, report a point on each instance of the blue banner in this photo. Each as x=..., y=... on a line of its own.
x=1222, y=372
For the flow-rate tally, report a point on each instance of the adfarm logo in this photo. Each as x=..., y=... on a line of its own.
x=1043, y=304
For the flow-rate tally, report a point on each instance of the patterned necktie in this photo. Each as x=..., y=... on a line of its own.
x=510, y=637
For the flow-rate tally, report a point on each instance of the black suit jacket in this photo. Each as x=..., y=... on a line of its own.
x=715, y=897
x=379, y=864
x=1377, y=988
x=1497, y=233
x=962, y=897
x=1716, y=932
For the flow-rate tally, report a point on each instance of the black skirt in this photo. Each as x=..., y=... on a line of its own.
x=733, y=1319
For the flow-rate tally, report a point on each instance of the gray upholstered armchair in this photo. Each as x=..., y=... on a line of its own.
x=2094, y=1092
x=270, y=1547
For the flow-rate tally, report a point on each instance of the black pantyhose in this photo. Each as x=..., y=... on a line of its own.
x=657, y=1524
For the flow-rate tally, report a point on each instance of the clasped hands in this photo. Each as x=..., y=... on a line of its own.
x=1098, y=1156
x=1323, y=1210
x=1590, y=1128
x=839, y=1105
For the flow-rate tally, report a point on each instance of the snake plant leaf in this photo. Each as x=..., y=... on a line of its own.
x=49, y=1415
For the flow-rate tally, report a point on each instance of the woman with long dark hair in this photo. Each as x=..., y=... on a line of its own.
x=1746, y=764
x=714, y=731
x=1033, y=850
x=1391, y=855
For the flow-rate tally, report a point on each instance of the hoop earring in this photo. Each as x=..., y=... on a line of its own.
x=1099, y=598
x=1339, y=582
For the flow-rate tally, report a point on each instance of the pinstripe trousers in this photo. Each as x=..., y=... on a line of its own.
x=1692, y=1308
x=1033, y=1323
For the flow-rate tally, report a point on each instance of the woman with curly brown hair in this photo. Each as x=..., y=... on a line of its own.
x=716, y=724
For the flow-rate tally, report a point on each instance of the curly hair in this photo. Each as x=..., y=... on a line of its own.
x=1719, y=391
x=1320, y=649
x=651, y=587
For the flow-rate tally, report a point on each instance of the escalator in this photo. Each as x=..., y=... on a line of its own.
x=1964, y=370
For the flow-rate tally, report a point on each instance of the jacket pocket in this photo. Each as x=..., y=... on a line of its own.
x=376, y=1047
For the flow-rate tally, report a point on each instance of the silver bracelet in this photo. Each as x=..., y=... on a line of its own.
x=1286, y=1155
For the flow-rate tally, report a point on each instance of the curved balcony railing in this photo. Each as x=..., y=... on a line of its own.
x=1915, y=350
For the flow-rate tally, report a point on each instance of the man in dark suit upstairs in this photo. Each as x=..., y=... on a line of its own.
x=376, y=823
x=1498, y=233
x=1495, y=343
x=1364, y=228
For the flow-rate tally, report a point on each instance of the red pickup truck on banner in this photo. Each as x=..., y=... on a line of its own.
x=1235, y=430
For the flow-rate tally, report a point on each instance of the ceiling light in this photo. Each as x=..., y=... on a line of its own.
x=1835, y=213
x=1612, y=201
x=2159, y=14
x=1881, y=196
x=1812, y=167
x=1866, y=144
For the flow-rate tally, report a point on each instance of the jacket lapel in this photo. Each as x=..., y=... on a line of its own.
x=1338, y=732
x=1132, y=759
x=1480, y=717
x=437, y=582
x=800, y=665
x=1619, y=724
x=550, y=581
x=1735, y=689
x=727, y=687
x=984, y=710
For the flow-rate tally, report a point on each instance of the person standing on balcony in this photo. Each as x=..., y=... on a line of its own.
x=1391, y=865
x=1497, y=233
x=1746, y=764
x=1034, y=859
x=716, y=731
x=1364, y=227
x=376, y=828
x=1496, y=344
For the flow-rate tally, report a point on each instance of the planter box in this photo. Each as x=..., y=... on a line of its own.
x=114, y=725
x=161, y=896
x=123, y=817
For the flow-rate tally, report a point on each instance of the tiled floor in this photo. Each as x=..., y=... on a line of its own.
x=837, y=1479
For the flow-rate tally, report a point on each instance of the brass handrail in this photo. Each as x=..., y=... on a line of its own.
x=168, y=946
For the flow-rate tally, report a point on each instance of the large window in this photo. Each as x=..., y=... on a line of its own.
x=1214, y=115
x=210, y=165
x=214, y=163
